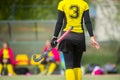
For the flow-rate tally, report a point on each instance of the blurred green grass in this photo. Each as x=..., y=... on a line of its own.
x=58, y=77
x=106, y=54
x=101, y=56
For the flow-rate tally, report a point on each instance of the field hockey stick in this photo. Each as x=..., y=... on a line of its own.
x=44, y=55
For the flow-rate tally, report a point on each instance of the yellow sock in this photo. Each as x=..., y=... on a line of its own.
x=42, y=68
x=78, y=73
x=69, y=74
x=1, y=68
x=10, y=70
x=51, y=68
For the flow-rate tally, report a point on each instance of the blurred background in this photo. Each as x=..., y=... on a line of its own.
x=27, y=24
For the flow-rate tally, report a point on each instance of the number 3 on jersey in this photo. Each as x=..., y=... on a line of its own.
x=75, y=11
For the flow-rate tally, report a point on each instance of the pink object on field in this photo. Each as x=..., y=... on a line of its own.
x=28, y=74
x=97, y=71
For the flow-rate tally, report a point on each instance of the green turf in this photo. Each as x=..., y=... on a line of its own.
x=54, y=77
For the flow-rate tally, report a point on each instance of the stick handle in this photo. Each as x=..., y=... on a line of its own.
x=64, y=35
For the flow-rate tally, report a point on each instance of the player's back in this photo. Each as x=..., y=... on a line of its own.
x=74, y=10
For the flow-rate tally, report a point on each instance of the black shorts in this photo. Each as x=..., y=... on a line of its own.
x=72, y=47
x=73, y=42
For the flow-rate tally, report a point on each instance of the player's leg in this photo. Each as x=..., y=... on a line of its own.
x=42, y=68
x=66, y=46
x=69, y=72
x=77, y=65
x=78, y=73
x=1, y=69
x=10, y=70
x=79, y=47
x=51, y=68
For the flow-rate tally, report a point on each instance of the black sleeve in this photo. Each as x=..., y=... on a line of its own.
x=88, y=22
x=59, y=23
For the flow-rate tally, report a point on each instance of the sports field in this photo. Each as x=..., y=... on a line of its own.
x=58, y=77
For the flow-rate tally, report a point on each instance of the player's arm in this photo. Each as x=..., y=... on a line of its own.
x=58, y=27
x=88, y=23
x=59, y=23
x=90, y=30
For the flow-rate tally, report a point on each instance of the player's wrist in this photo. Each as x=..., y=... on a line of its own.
x=92, y=37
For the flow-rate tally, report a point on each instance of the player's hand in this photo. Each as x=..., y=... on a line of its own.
x=54, y=42
x=94, y=43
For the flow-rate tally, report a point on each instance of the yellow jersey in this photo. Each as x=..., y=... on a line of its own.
x=74, y=10
x=5, y=54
